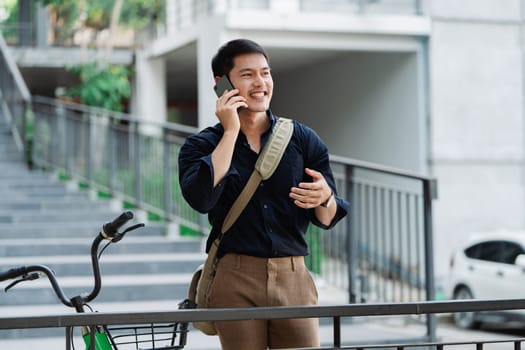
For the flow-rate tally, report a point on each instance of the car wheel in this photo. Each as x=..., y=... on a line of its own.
x=465, y=320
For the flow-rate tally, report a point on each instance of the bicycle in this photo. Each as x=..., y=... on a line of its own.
x=154, y=336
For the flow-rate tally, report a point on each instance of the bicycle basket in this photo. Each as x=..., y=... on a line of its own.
x=161, y=336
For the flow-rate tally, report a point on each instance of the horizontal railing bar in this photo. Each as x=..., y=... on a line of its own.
x=430, y=344
x=382, y=186
x=381, y=168
x=189, y=130
x=261, y=313
x=15, y=72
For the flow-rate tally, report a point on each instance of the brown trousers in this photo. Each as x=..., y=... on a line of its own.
x=245, y=281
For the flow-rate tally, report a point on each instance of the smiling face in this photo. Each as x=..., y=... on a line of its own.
x=251, y=75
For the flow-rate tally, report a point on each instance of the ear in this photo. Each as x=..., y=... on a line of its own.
x=216, y=79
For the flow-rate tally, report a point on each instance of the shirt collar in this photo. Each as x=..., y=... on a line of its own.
x=272, y=117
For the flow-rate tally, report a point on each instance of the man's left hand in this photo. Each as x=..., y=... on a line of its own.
x=309, y=195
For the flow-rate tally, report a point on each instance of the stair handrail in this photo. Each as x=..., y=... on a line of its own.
x=15, y=97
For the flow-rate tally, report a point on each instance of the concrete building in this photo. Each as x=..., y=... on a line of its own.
x=435, y=87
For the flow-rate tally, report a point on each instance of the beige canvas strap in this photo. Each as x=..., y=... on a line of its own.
x=266, y=164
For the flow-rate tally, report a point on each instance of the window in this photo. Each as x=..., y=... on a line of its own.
x=488, y=251
x=510, y=251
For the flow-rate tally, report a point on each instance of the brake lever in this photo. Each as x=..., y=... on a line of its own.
x=27, y=277
x=120, y=235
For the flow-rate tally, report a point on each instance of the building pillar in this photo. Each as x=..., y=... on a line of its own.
x=150, y=89
x=42, y=25
x=171, y=16
x=24, y=21
x=210, y=39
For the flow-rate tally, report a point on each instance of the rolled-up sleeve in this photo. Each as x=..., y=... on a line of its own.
x=196, y=173
x=317, y=158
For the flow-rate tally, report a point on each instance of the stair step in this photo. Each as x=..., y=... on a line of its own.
x=132, y=244
x=121, y=264
x=65, y=229
x=22, y=170
x=51, y=204
x=115, y=288
x=50, y=222
x=43, y=191
x=10, y=155
x=96, y=215
x=18, y=183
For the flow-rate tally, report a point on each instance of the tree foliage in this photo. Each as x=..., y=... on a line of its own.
x=101, y=86
x=136, y=14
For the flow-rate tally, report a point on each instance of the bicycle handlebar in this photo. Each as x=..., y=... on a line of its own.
x=13, y=273
x=109, y=231
x=26, y=270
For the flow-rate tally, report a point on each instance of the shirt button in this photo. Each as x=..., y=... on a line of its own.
x=265, y=206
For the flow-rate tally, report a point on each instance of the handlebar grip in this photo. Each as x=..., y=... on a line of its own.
x=111, y=228
x=12, y=273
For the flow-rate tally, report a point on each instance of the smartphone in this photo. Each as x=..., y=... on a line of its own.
x=222, y=85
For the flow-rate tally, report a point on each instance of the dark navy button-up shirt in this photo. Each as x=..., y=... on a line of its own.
x=271, y=225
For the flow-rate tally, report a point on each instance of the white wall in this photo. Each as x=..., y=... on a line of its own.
x=477, y=119
x=364, y=106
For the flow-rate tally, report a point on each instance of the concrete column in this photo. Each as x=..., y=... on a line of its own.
x=42, y=25
x=24, y=20
x=171, y=16
x=210, y=39
x=150, y=89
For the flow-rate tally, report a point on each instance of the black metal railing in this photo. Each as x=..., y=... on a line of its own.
x=336, y=313
x=381, y=253
x=15, y=98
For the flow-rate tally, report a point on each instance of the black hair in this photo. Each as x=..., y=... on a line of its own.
x=222, y=62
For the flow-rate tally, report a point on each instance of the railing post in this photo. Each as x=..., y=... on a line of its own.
x=429, y=193
x=166, y=166
x=23, y=133
x=337, y=332
x=92, y=339
x=351, y=240
x=90, y=151
x=60, y=136
x=68, y=338
x=112, y=159
x=137, y=164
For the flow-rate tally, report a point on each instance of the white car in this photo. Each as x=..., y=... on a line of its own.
x=489, y=266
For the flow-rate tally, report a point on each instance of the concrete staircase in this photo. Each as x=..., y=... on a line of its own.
x=45, y=221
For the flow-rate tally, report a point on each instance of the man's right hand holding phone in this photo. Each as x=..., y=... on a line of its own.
x=226, y=109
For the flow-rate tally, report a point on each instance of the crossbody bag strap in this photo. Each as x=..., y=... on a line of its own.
x=265, y=166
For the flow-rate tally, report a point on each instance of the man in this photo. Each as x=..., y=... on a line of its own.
x=262, y=254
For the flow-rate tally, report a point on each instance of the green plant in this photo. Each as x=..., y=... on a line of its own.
x=104, y=86
x=97, y=13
